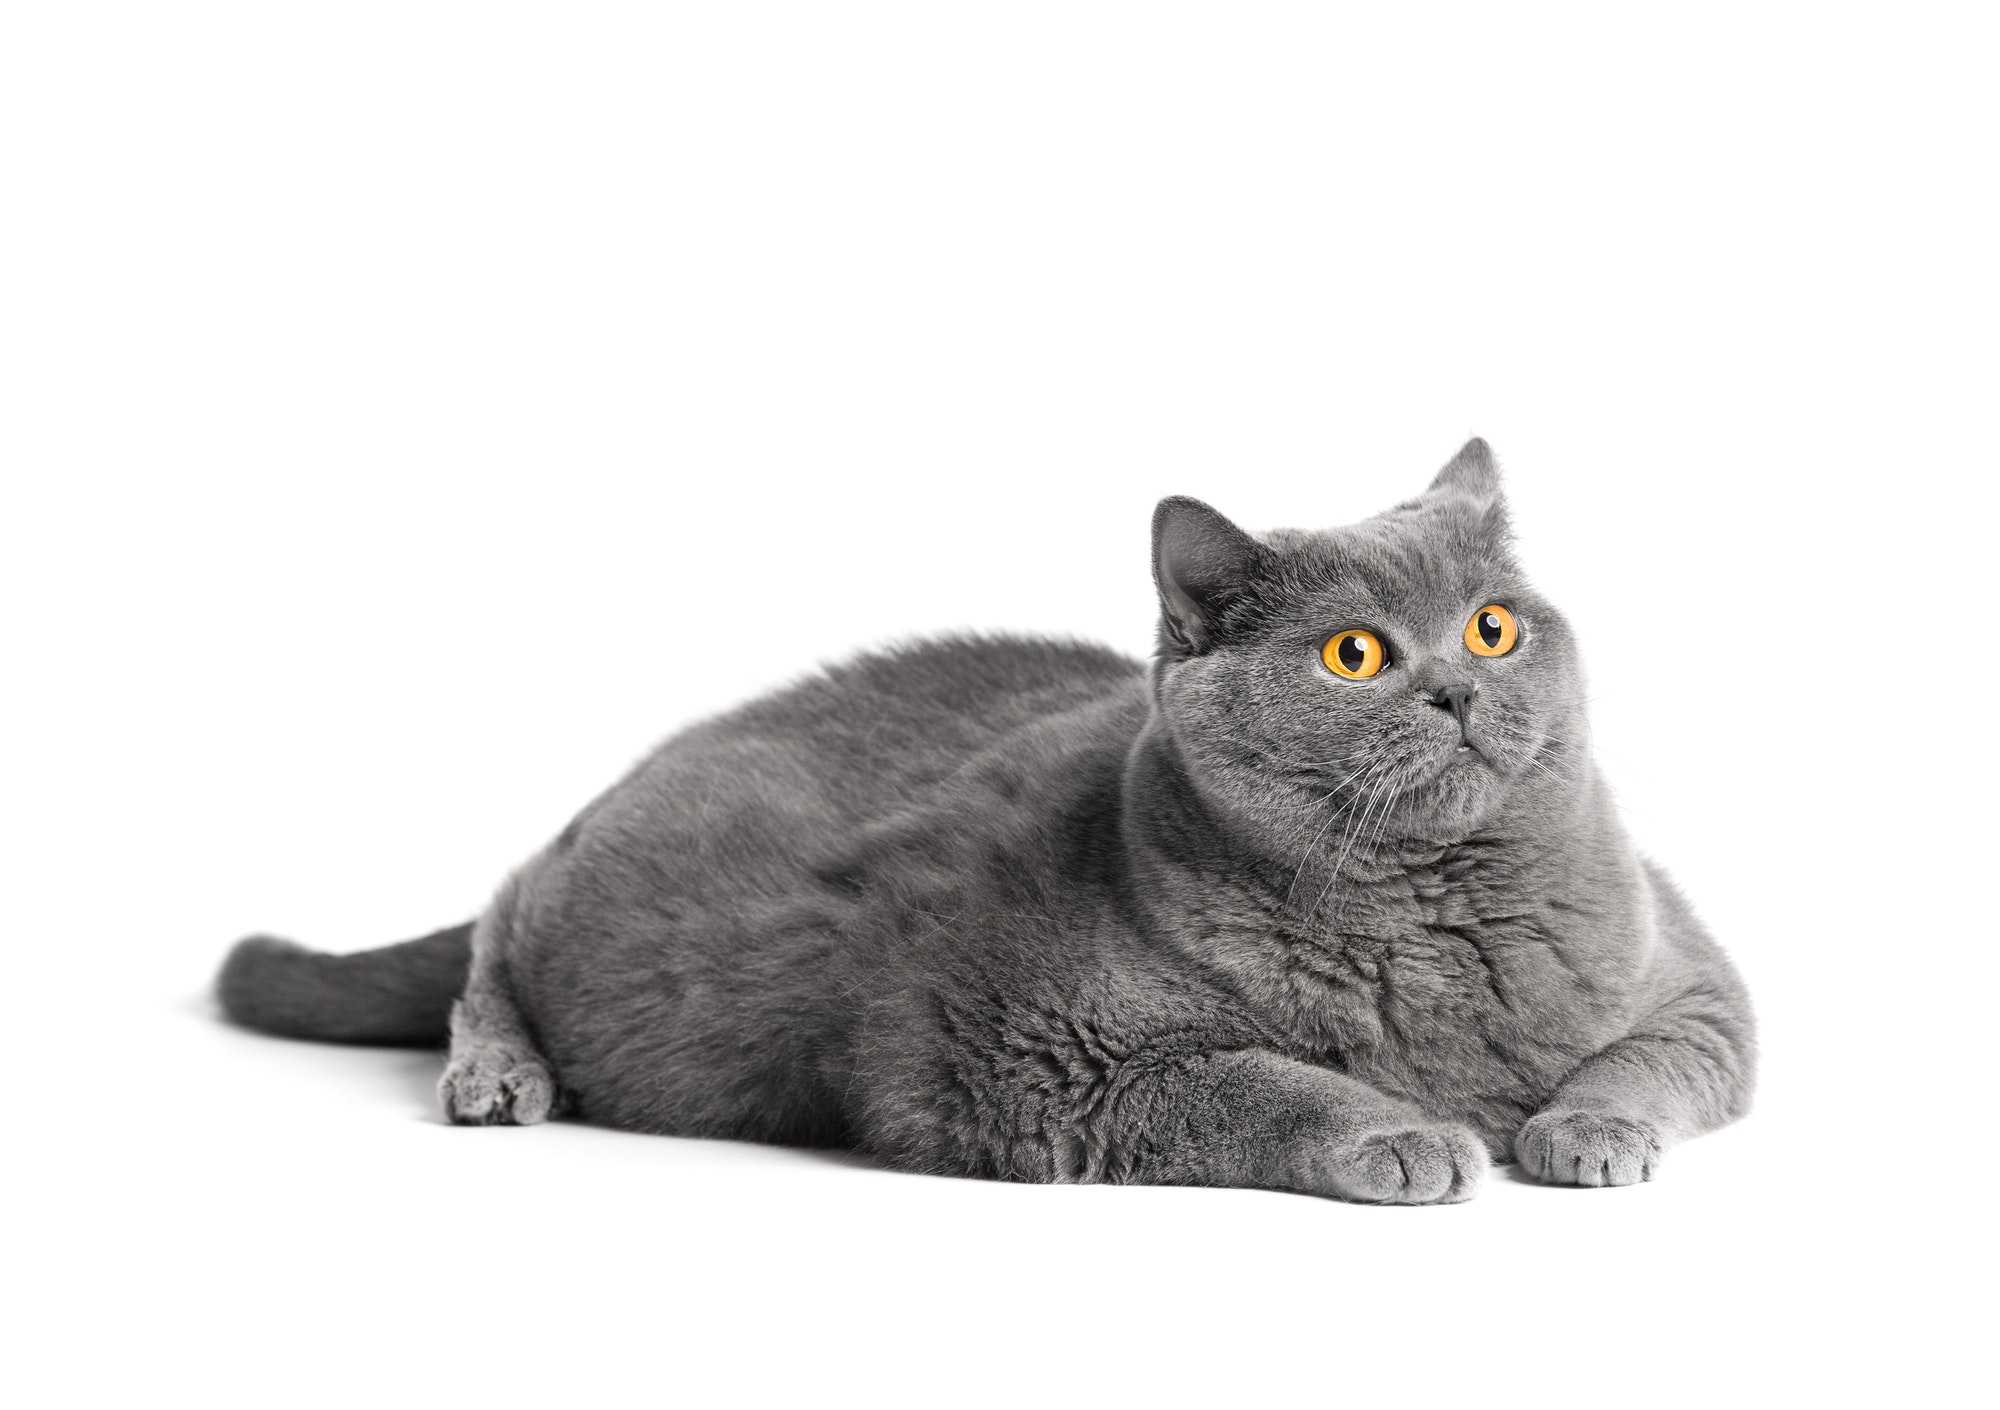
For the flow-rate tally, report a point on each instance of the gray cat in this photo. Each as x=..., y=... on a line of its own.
x=1330, y=897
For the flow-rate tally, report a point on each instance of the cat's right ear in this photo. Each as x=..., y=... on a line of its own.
x=1200, y=562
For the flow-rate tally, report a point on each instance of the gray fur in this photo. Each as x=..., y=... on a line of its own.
x=1031, y=910
x=399, y=995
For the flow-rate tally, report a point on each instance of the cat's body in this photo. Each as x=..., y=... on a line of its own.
x=1032, y=910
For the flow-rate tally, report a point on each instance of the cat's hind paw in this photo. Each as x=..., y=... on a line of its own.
x=1588, y=1148
x=497, y=1086
x=1410, y=1165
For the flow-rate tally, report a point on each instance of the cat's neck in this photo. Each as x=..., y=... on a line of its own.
x=1293, y=845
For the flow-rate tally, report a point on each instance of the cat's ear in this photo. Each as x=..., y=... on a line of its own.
x=1472, y=479
x=1200, y=562
x=1471, y=474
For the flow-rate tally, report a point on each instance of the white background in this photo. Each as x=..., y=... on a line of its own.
x=411, y=413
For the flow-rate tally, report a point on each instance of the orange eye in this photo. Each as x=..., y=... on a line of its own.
x=1492, y=631
x=1354, y=653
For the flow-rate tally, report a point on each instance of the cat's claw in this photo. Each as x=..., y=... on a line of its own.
x=497, y=1086
x=1587, y=1148
x=1410, y=1165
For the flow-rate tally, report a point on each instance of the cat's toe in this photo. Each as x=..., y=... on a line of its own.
x=496, y=1087
x=1588, y=1148
x=1412, y=1165
x=530, y=1092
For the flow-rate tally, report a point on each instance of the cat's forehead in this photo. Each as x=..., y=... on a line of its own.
x=1409, y=563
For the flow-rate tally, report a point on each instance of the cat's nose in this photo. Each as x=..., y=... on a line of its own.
x=1456, y=698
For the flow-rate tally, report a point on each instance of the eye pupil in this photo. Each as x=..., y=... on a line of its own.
x=1491, y=631
x=1356, y=654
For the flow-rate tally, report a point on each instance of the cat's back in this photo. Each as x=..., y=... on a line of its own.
x=752, y=796
x=891, y=721
x=880, y=729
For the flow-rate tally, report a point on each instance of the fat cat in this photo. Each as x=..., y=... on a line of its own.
x=1328, y=897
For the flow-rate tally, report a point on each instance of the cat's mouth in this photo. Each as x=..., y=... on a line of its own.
x=1466, y=751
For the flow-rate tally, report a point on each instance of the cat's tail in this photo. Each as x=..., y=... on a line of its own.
x=398, y=996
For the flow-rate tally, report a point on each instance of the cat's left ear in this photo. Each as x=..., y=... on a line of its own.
x=1201, y=561
x=1472, y=479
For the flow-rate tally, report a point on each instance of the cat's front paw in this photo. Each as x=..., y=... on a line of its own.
x=1588, y=1148
x=1416, y=1164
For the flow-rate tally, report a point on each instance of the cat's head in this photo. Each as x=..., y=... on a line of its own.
x=1401, y=665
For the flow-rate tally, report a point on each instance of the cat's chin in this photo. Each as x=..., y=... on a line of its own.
x=1464, y=787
